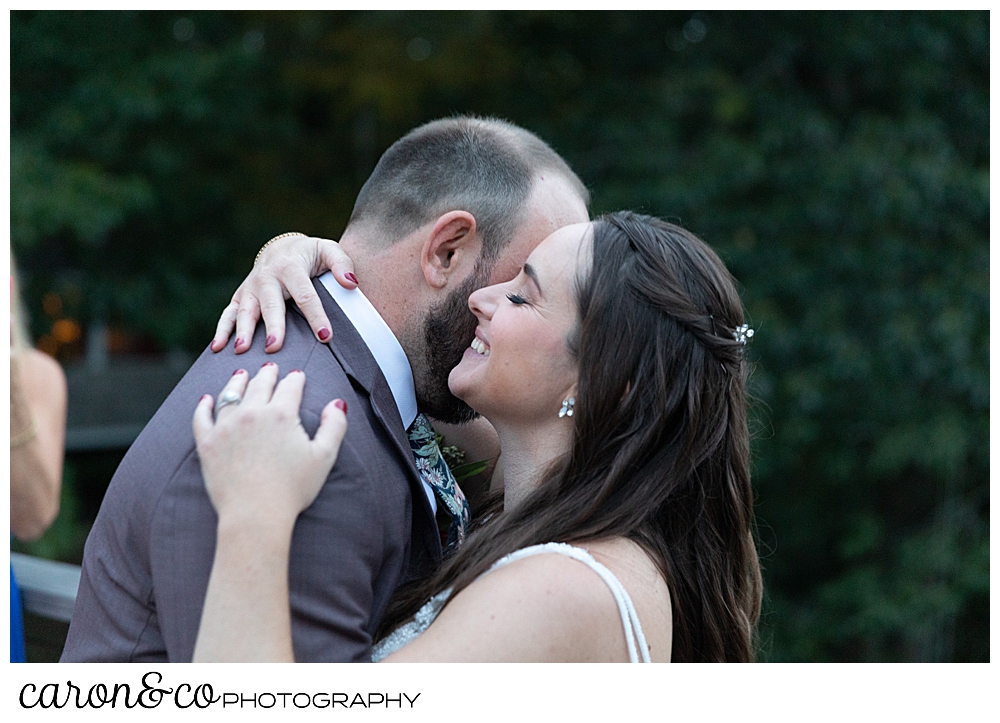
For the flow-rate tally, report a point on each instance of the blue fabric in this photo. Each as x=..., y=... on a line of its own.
x=16, y=623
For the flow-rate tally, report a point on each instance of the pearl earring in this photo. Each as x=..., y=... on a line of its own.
x=567, y=408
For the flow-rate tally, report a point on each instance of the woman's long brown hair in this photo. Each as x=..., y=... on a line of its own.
x=661, y=447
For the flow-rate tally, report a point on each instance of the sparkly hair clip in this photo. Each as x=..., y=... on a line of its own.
x=742, y=333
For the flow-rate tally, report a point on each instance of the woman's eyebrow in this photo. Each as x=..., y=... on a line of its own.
x=529, y=271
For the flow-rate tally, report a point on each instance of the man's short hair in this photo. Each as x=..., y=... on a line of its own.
x=484, y=166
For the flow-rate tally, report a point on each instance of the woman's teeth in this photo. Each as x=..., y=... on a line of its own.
x=479, y=347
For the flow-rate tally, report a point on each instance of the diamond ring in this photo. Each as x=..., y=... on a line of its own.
x=230, y=397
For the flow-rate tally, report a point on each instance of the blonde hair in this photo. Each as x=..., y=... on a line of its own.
x=19, y=337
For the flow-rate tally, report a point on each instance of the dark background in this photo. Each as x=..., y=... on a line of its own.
x=838, y=161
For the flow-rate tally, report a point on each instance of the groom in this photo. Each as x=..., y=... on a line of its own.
x=454, y=205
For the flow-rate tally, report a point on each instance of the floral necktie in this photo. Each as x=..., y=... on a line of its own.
x=435, y=472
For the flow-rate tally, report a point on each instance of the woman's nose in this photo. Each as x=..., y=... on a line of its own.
x=482, y=302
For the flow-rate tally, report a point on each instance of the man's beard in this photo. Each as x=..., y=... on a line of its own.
x=448, y=330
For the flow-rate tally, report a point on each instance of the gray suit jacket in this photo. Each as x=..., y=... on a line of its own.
x=147, y=560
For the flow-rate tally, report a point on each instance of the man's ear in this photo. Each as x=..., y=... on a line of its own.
x=452, y=247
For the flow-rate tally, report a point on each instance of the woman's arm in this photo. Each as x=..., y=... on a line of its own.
x=261, y=470
x=37, y=430
x=282, y=270
x=246, y=617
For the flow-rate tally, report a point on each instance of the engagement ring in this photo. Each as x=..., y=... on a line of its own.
x=225, y=398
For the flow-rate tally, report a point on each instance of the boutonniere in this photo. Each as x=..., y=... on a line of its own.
x=455, y=459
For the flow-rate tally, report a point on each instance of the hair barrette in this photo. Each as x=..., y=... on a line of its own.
x=742, y=333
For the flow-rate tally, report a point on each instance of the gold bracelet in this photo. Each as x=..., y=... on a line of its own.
x=25, y=436
x=280, y=235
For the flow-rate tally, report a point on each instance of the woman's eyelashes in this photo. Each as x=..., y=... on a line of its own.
x=515, y=299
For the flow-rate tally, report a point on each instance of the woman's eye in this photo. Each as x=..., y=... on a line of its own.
x=515, y=299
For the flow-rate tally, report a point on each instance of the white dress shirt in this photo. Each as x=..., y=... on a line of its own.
x=384, y=346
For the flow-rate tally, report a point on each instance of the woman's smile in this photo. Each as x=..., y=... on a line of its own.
x=478, y=347
x=518, y=366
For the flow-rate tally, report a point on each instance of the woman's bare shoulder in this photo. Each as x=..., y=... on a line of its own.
x=552, y=608
x=542, y=608
x=41, y=374
x=645, y=584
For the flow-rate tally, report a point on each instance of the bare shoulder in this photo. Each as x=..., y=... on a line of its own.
x=43, y=378
x=542, y=608
x=645, y=584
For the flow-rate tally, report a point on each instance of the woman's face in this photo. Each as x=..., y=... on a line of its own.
x=518, y=367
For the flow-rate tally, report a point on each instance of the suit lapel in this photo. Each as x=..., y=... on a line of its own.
x=358, y=363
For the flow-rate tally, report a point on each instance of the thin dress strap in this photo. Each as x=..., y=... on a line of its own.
x=630, y=619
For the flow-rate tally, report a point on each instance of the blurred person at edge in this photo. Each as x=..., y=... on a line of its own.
x=37, y=430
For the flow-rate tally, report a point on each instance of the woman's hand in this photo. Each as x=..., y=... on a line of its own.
x=283, y=270
x=260, y=469
x=259, y=465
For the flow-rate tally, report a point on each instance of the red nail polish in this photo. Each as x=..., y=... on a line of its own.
x=270, y=340
x=296, y=371
x=351, y=277
x=341, y=405
x=238, y=342
x=268, y=364
x=239, y=371
x=323, y=334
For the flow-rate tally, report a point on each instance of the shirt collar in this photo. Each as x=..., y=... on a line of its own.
x=382, y=343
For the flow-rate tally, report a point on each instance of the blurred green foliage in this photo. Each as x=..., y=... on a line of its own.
x=838, y=161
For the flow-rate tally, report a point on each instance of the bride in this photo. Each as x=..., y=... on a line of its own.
x=613, y=370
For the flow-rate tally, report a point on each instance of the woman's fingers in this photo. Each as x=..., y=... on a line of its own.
x=261, y=387
x=333, y=423
x=203, y=422
x=333, y=257
x=272, y=311
x=247, y=317
x=289, y=391
x=333, y=426
x=234, y=390
x=304, y=293
x=227, y=322
x=282, y=270
x=259, y=463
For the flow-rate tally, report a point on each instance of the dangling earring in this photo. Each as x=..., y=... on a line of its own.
x=567, y=408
